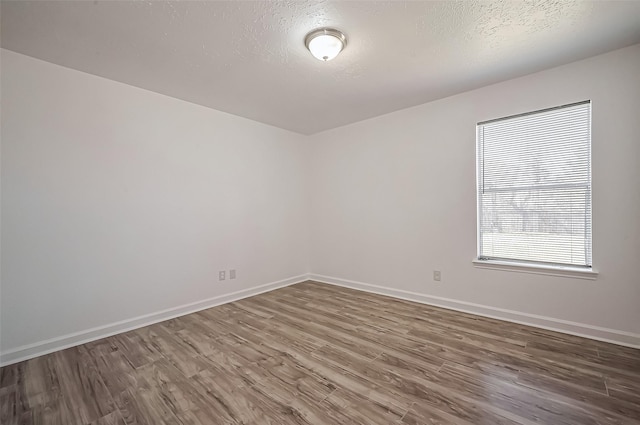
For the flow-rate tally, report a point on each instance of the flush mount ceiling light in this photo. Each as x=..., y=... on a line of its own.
x=325, y=43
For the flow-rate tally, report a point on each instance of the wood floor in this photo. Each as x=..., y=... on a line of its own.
x=318, y=354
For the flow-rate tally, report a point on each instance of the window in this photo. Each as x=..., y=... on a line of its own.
x=534, y=187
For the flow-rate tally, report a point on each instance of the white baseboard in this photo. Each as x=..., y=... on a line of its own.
x=627, y=339
x=30, y=351
x=26, y=352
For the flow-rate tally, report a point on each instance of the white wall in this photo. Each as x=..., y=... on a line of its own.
x=394, y=199
x=120, y=205
x=118, y=202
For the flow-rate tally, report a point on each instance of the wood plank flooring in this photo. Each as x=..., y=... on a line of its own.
x=319, y=354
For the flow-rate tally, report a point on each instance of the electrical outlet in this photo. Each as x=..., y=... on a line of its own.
x=232, y=274
x=436, y=275
x=222, y=275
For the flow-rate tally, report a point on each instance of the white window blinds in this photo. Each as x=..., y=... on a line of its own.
x=534, y=187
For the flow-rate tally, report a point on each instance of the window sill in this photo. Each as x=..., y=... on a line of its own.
x=561, y=271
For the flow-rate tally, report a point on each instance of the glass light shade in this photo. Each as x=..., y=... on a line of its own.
x=325, y=44
x=325, y=47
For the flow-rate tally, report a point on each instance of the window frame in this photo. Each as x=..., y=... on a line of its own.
x=528, y=266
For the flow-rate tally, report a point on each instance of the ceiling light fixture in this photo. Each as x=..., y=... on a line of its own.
x=325, y=43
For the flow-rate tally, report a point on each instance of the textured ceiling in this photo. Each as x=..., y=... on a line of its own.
x=248, y=58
